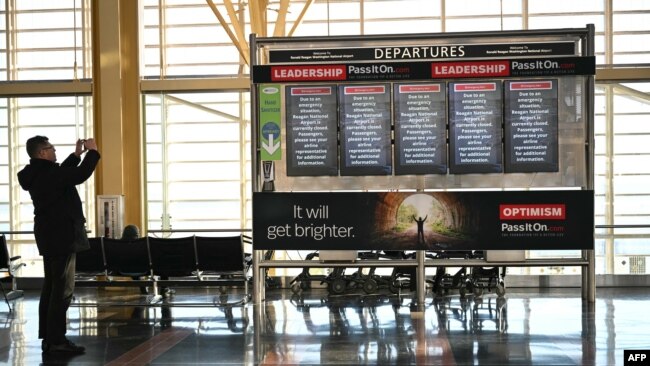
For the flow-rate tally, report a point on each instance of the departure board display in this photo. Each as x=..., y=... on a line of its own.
x=365, y=121
x=311, y=130
x=420, y=128
x=475, y=133
x=531, y=126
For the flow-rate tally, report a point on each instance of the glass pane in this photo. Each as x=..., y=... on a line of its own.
x=484, y=7
x=402, y=9
x=631, y=43
x=200, y=169
x=222, y=210
x=566, y=21
x=632, y=247
x=332, y=10
x=632, y=123
x=574, y=6
x=630, y=5
x=631, y=144
x=203, y=152
x=626, y=184
x=631, y=22
x=633, y=204
x=476, y=24
x=47, y=39
x=179, y=191
x=632, y=164
x=206, y=171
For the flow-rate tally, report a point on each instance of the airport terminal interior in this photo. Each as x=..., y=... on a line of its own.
x=527, y=327
x=336, y=182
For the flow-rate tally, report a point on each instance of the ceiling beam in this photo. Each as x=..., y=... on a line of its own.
x=281, y=22
x=243, y=52
x=299, y=20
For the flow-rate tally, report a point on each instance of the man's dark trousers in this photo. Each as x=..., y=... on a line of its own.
x=56, y=297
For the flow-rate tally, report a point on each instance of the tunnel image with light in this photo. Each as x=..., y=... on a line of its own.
x=448, y=220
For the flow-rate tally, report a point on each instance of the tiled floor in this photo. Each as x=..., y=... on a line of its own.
x=542, y=327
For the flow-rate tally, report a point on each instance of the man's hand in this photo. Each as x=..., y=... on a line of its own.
x=90, y=144
x=79, y=148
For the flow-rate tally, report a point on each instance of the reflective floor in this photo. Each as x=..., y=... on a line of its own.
x=541, y=327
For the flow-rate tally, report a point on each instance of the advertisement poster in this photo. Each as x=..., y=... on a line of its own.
x=531, y=131
x=522, y=220
x=475, y=118
x=420, y=128
x=311, y=130
x=365, y=130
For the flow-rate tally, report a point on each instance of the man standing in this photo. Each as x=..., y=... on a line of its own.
x=59, y=229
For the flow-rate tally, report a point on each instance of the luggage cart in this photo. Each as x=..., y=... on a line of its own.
x=364, y=278
x=398, y=279
x=303, y=280
x=337, y=282
x=490, y=278
x=442, y=283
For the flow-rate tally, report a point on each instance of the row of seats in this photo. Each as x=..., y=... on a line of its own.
x=189, y=260
x=8, y=267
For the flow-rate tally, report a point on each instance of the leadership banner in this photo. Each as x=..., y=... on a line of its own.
x=524, y=220
x=424, y=70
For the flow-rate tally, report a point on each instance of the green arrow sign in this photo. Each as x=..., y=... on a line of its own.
x=270, y=122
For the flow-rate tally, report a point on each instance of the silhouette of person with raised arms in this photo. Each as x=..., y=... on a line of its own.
x=420, y=221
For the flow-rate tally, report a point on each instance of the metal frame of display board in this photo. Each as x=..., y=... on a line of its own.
x=582, y=40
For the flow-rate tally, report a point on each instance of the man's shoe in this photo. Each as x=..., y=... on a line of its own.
x=67, y=347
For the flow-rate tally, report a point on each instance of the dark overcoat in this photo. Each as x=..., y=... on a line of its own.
x=57, y=206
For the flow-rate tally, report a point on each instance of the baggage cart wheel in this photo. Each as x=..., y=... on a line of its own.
x=337, y=286
x=305, y=285
x=296, y=288
x=370, y=286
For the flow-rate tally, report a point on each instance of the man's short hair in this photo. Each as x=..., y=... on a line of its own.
x=35, y=144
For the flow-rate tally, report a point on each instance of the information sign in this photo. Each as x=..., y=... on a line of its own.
x=420, y=128
x=311, y=130
x=365, y=130
x=475, y=134
x=531, y=131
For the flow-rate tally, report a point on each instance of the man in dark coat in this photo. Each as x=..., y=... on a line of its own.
x=59, y=229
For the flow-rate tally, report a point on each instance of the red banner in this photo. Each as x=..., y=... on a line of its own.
x=532, y=212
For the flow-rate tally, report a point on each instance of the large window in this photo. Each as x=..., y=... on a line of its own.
x=184, y=39
x=197, y=158
x=622, y=178
x=45, y=40
x=45, y=46
x=63, y=119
